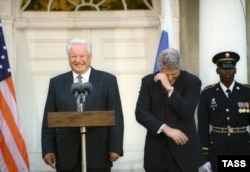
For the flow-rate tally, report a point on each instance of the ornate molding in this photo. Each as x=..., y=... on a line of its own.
x=79, y=23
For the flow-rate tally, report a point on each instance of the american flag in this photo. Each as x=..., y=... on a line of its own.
x=13, y=155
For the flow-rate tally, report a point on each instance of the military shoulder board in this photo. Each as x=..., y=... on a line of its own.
x=209, y=86
x=245, y=85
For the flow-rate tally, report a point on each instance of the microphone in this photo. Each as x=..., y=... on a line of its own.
x=76, y=89
x=87, y=88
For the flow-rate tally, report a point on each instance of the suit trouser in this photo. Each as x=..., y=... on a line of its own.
x=99, y=170
x=167, y=162
x=79, y=169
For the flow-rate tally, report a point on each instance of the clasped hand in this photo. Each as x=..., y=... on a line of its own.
x=177, y=135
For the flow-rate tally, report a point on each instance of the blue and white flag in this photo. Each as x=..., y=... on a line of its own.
x=164, y=40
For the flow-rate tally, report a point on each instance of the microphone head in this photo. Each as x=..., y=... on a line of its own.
x=87, y=88
x=76, y=88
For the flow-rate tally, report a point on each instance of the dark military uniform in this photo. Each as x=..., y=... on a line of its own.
x=230, y=116
x=223, y=121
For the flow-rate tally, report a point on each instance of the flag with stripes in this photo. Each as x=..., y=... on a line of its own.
x=164, y=40
x=13, y=155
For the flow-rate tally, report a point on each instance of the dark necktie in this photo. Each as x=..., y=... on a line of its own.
x=228, y=92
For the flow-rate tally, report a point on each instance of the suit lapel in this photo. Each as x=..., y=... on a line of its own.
x=67, y=83
x=160, y=94
x=94, y=79
x=235, y=92
x=219, y=93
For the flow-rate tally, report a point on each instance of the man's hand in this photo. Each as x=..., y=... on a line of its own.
x=177, y=135
x=113, y=156
x=164, y=80
x=50, y=159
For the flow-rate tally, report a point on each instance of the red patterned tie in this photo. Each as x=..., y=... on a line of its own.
x=167, y=107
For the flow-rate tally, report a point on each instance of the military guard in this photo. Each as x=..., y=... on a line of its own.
x=224, y=112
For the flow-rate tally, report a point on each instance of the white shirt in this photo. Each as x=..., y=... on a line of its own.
x=224, y=88
x=85, y=76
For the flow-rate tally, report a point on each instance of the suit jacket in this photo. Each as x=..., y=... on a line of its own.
x=151, y=110
x=66, y=142
x=217, y=110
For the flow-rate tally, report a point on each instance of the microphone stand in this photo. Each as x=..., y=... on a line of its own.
x=83, y=132
x=81, y=92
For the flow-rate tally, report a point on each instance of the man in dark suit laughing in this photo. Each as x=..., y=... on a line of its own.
x=61, y=147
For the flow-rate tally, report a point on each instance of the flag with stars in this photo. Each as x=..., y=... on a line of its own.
x=13, y=155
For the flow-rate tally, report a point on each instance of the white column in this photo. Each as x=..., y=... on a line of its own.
x=222, y=28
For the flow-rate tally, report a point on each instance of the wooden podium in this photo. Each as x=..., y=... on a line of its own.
x=81, y=119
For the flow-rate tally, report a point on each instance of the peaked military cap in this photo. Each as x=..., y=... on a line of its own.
x=226, y=59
